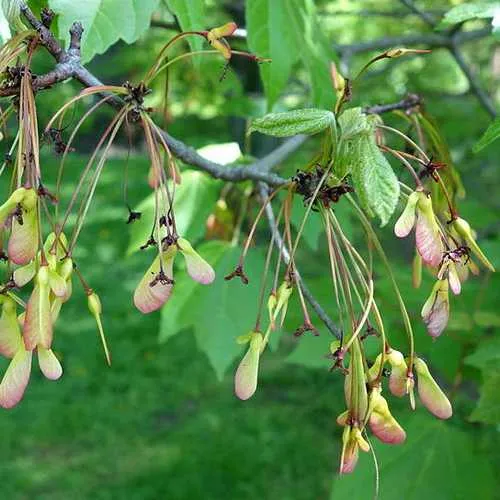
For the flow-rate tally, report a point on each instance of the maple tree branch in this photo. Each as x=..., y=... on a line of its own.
x=454, y=37
x=68, y=65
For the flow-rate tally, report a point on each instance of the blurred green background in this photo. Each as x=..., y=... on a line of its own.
x=161, y=422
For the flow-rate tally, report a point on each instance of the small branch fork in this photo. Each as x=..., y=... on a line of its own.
x=453, y=39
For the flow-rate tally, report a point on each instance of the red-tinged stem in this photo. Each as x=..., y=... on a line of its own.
x=262, y=291
x=86, y=170
x=248, y=241
x=93, y=185
x=70, y=142
x=154, y=68
x=406, y=163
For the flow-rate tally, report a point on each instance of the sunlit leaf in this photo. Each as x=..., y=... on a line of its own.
x=492, y=133
x=471, y=10
x=191, y=15
x=286, y=31
x=375, y=183
x=300, y=121
x=104, y=21
x=269, y=36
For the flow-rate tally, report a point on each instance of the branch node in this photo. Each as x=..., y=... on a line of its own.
x=47, y=16
x=76, y=32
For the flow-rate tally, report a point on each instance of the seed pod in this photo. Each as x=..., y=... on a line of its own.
x=95, y=308
x=463, y=229
x=430, y=393
x=197, y=267
x=16, y=378
x=151, y=293
x=436, y=309
x=38, y=321
x=49, y=364
x=10, y=331
x=245, y=379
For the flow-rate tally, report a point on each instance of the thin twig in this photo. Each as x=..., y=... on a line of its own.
x=474, y=83
x=427, y=40
x=322, y=315
x=454, y=37
x=425, y=16
x=409, y=102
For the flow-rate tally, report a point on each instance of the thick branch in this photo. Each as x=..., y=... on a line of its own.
x=46, y=37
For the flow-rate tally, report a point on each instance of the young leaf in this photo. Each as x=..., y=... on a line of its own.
x=471, y=10
x=374, y=180
x=104, y=21
x=488, y=407
x=191, y=15
x=269, y=36
x=492, y=133
x=301, y=121
x=353, y=122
